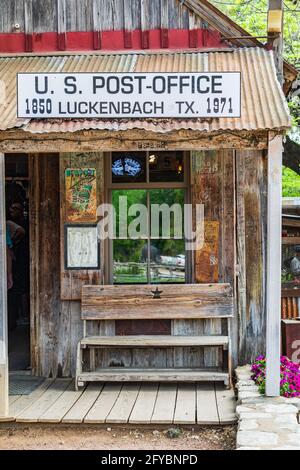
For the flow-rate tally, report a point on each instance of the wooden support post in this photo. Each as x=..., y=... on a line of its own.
x=274, y=266
x=3, y=299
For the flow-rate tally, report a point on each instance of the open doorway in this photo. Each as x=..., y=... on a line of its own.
x=18, y=260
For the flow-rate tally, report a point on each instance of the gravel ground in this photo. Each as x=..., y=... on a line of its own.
x=102, y=438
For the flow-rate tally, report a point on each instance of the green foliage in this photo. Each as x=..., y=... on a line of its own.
x=290, y=183
x=252, y=16
x=294, y=105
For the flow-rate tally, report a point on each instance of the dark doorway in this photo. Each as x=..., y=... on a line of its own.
x=18, y=260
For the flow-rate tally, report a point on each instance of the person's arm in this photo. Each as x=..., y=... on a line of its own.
x=9, y=259
x=16, y=232
x=18, y=235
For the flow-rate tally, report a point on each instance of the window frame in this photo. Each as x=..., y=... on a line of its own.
x=110, y=186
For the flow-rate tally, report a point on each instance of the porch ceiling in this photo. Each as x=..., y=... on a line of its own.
x=263, y=105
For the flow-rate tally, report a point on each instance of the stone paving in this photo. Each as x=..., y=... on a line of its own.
x=265, y=423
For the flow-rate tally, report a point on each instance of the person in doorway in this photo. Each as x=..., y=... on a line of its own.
x=9, y=259
x=14, y=234
x=21, y=263
x=295, y=263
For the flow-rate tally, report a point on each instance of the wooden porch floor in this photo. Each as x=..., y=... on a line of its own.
x=55, y=401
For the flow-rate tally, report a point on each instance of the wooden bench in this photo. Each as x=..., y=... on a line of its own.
x=165, y=301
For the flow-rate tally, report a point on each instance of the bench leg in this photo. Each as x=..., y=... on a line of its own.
x=92, y=359
x=78, y=364
x=229, y=385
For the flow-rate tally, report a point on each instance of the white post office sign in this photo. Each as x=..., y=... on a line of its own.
x=129, y=95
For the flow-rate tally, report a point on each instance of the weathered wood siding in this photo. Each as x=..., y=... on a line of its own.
x=232, y=186
x=251, y=192
x=55, y=325
x=212, y=183
x=80, y=15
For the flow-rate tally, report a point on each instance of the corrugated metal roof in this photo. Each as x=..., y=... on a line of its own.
x=262, y=101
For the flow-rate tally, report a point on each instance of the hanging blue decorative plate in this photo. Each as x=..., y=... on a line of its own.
x=126, y=166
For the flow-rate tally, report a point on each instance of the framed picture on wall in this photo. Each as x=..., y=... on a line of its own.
x=81, y=247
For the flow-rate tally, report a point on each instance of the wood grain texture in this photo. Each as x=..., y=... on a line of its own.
x=212, y=181
x=184, y=301
x=104, y=404
x=124, y=374
x=25, y=401
x=226, y=404
x=251, y=190
x=207, y=411
x=121, y=410
x=63, y=404
x=61, y=25
x=131, y=403
x=44, y=268
x=79, y=14
x=152, y=341
x=185, y=410
x=143, y=408
x=82, y=406
x=28, y=24
x=34, y=412
x=135, y=139
x=165, y=404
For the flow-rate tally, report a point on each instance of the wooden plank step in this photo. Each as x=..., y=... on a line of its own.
x=122, y=408
x=207, y=411
x=103, y=405
x=155, y=341
x=63, y=404
x=144, y=405
x=25, y=401
x=83, y=405
x=38, y=408
x=114, y=374
x=185, y=411
x=164, y=408
x=226, y=404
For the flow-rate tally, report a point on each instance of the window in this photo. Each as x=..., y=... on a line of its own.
x=148, y=191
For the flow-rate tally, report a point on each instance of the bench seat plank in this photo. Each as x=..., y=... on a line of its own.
x=114, y=374
x=154, y=341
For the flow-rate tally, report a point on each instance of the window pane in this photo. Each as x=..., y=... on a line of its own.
x=167, y=236
x=137, y=260
x=169, y=262
x=130, y=255
x=128, y=167
x=166, y=167
x=131, y=212
x=130, y=266
x=167, y=213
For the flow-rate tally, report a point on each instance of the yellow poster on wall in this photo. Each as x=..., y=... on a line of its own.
x=207, y=262
x=81, y=194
